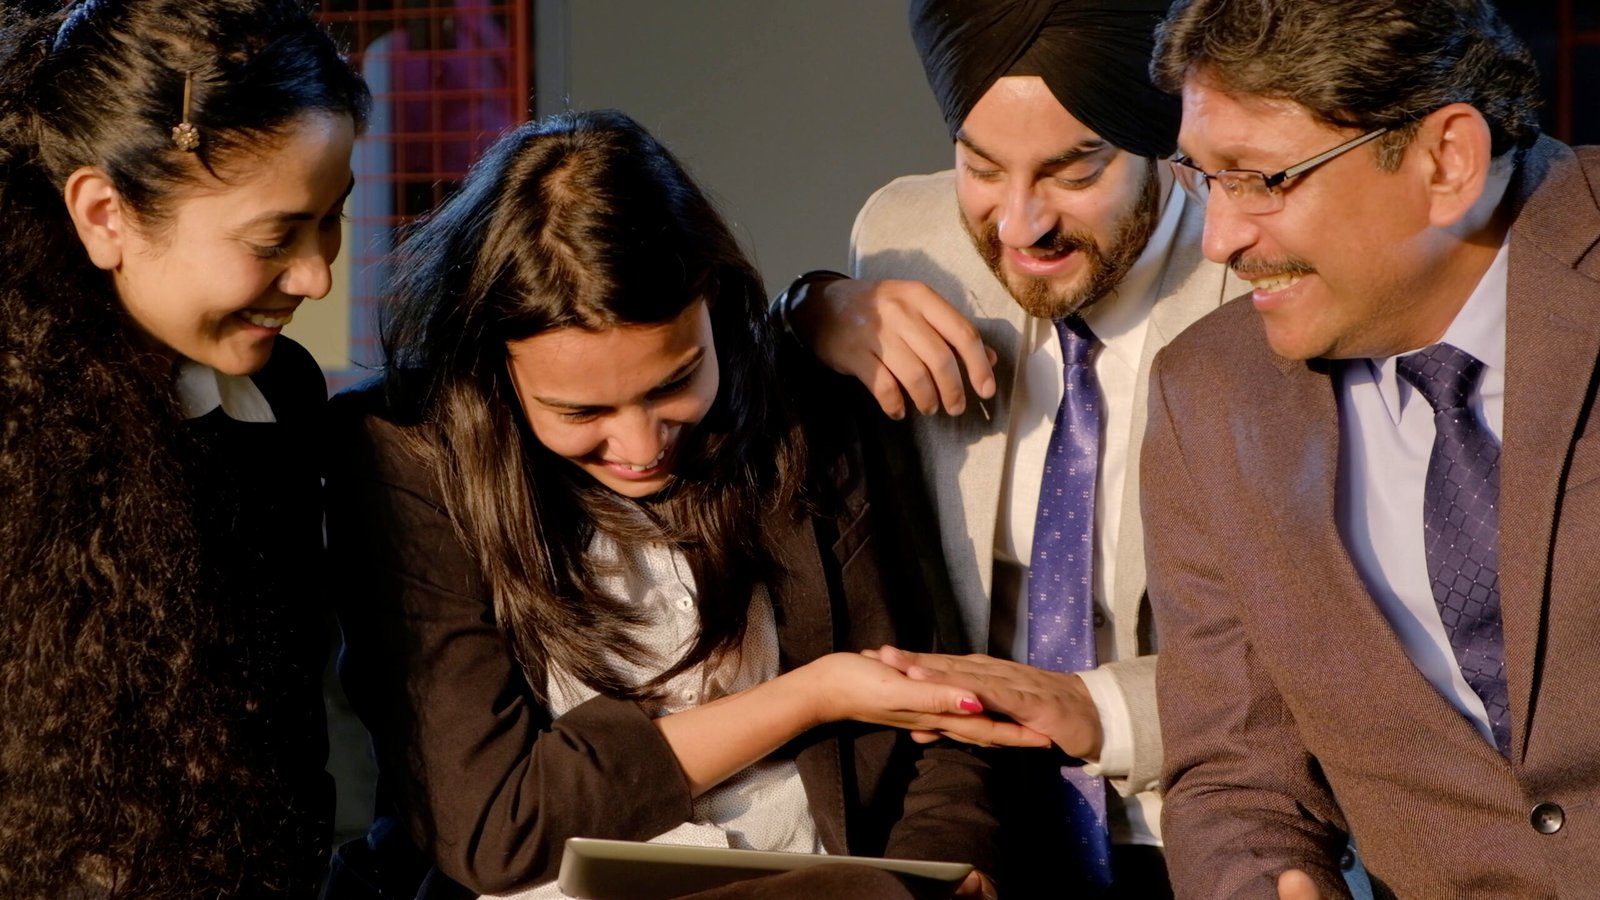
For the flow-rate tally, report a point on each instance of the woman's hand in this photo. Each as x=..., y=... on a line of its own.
x=977, y=886
x=851, y=686
x=714, y=740
x=1055, y=704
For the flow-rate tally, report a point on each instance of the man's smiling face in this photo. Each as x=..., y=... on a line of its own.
x=1059, y=213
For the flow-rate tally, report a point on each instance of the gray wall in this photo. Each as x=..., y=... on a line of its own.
x=789, y=114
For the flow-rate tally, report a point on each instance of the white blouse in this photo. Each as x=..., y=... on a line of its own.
x=762, y=807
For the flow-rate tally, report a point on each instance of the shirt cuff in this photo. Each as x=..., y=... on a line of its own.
x=1116, y=726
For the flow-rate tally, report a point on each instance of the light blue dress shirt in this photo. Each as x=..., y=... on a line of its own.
x=1386, y=437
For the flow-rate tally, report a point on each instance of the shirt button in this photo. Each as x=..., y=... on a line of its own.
x=1547, y=818
x=685, y=603
x=689, y=696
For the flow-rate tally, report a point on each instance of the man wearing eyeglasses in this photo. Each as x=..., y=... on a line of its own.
x=1060, y=245
x=1370, y=487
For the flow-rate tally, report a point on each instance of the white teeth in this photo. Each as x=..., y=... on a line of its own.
x=1274, y=283
x=262, y=321
x=648, y=466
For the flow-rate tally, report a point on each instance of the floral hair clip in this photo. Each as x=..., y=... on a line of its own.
x=185, y=136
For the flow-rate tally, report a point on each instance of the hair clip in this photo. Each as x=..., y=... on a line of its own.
x=185, y=136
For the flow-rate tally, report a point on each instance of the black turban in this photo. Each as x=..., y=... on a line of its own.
x=1093, y=54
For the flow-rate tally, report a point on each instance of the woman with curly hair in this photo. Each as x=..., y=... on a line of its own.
x=605, y=568
x=172, y=174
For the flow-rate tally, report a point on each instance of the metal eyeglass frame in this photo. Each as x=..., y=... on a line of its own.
x=1242, y=184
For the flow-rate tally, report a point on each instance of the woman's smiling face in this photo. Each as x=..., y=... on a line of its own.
x=218, y=282
x=617, y=403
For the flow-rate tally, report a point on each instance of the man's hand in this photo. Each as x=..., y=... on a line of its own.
x=1055, y=704
x=851, y=686
x=1294, y=884
x=895, y=335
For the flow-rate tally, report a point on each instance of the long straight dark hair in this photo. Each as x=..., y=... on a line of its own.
x=584, y=220
x=133, y=756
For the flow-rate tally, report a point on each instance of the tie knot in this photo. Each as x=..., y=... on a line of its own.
x=1444, y=374
x=1078, y=343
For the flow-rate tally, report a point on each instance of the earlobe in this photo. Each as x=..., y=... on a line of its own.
x=1459, y=149
x=97, y=214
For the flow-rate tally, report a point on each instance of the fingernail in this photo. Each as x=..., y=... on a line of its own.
x=971, y=705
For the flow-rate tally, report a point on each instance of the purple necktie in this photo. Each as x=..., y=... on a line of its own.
x=1461, y=525
x=1061, y=573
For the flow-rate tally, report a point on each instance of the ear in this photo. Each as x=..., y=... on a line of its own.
x=1456, y=146
x=98, y=214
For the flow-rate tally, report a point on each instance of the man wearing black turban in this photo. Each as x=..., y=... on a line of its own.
x=1058, y=208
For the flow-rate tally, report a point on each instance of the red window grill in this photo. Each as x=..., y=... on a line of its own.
x=447, y=77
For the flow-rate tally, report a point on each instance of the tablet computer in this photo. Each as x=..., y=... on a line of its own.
x=593, y=869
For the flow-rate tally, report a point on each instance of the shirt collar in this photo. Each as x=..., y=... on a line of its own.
x=1479, y=329
x=202, y=389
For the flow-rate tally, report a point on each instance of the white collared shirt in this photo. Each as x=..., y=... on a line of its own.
x=1386, y=439
x=202, y=389
x=1120, y=320
x=762, y=806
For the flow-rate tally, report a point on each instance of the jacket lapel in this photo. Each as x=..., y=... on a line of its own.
x=1337, y=621
x=1552, y=343
x=803, y=611
x=1298, y=480
x=1190, y=287
x=963, y=461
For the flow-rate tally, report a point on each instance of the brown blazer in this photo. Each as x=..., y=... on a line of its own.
x=490, y=785
x=1291, y=712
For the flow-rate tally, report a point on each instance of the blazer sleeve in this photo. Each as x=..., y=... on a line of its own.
x=893, y=594
x=946, y=815
x=489, y=784
x=1244, y=799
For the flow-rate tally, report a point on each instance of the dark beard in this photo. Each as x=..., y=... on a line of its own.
x=1105, y=268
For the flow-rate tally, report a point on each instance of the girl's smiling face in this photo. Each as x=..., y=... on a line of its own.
x=617, y=403
x=220, y=278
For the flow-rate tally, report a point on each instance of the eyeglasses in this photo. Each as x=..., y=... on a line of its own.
x=1255, y=192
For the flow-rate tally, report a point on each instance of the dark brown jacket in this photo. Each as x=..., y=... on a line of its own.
x=491, y=785
x=1290, y=709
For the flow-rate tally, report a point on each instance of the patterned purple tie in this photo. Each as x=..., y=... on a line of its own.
x=1461, y=525
x=1060, y=575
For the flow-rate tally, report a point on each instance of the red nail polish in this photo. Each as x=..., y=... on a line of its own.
x=971, y=705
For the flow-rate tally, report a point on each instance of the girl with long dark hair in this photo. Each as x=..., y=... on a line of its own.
x=171, y=176
x=598, y=556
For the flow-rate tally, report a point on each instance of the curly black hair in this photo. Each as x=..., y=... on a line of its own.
x=132, y=760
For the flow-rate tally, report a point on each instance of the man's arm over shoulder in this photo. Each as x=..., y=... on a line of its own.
x=897, y=326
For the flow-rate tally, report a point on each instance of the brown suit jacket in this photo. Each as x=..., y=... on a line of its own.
x=1291, y=712
x=490, y=785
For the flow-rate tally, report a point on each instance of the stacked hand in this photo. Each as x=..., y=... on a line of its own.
x=852, y=686
x=1056, y=705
